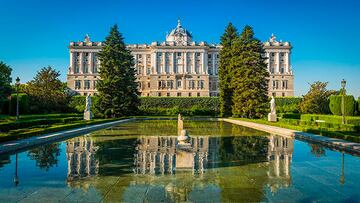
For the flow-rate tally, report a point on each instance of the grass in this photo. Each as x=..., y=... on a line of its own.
x=328, y=132
x=37, y=127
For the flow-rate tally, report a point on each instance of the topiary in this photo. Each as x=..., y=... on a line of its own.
x=335, y=105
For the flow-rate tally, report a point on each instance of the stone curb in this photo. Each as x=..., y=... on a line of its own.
x=21, y=144
x=338, y=144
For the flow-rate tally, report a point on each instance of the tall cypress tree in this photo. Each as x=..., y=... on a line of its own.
x=225, y=74
x=249, y=80
x=118, y=93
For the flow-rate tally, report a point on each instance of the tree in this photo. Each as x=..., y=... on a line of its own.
x=249, y=76
x=46, y=156
x=46, y=92
x=226, y=91
x=316, y=101
x=5, y=80
x=118, y=93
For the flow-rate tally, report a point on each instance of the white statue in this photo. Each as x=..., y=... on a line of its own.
x=272, y=115
x=87, y=111
x=272, y=105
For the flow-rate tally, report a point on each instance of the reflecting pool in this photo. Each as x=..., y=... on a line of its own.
x=141, y=162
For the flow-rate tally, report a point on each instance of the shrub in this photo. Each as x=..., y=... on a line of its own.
x=23, y=104
x=351, y=120
x=287, y=104
x=335, y=105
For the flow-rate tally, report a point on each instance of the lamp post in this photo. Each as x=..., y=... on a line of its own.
x=343, y=84
x=342, y=177
x=16, y=178
x=17, y=97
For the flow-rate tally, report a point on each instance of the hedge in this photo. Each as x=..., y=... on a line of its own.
x=7, y=126
x=175, y=105
x=10, y=106
x=162, y=105
x=335, y=105
x=351, y=120
x=358, y=103
x=287, y=104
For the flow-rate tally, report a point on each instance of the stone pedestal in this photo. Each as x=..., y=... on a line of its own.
x=272, y=117
x=88, y=115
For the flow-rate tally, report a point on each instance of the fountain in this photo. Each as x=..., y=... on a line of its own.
x=183, y=135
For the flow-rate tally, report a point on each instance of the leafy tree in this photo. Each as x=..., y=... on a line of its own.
x=46, y=92
x=227, y=39
x=5, y=80
x=249, y=76
x=316, y=101
x=45, y=156
x=118, y=93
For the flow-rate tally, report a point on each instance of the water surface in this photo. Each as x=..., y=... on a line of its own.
x=140, y=161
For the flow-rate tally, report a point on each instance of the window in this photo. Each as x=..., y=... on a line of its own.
x=87, y=84
x=159, y=94
x=284, y=84
x=198, y=94
x=274, y=94
x=197, y=54
x=168, y=94
x=148, y=84
x=178, y=53
x=189, y=94
x=77, y=84
x=209, y=56
x=283, y=94
x=179, y=94
x=179, y=83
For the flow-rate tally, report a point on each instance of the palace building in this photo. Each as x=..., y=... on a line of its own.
x=177, y=67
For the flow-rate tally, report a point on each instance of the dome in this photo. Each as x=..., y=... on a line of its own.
x=179, y=35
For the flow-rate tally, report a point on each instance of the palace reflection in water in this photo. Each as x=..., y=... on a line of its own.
x=160, y=155
x=80, y=153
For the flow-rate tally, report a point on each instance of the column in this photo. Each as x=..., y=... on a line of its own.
x=213, y=64
x=173, y=68
x=145, y=64
x=91, y=65
x=267, y=54
x=154, y=62
x=81, y=67
x=287, y=56
x=72, y=67
x=163, y=69
x=204, y=63
x=185, y=63
x=193, y=70
x=277, y=70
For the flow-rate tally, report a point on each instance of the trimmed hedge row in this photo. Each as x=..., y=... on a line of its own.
x=161, y=105
x=175, y=105
x=7, y=126
x=351, y=120
x=349, y=104
x=38, y=131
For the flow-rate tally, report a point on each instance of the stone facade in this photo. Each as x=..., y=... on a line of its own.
x=176, y=67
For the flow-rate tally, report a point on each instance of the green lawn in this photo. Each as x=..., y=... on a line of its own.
x=294, y=124
x=32, y=125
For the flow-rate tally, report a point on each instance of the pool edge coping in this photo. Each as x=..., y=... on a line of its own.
x=21, y=144
x=339, y=144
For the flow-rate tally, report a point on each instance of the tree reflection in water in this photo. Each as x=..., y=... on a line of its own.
x=45, y=156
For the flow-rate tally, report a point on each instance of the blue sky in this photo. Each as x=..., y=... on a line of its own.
x=324, y=34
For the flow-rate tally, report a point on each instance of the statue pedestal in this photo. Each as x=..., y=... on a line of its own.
x=87, y=115
x=272, y=117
